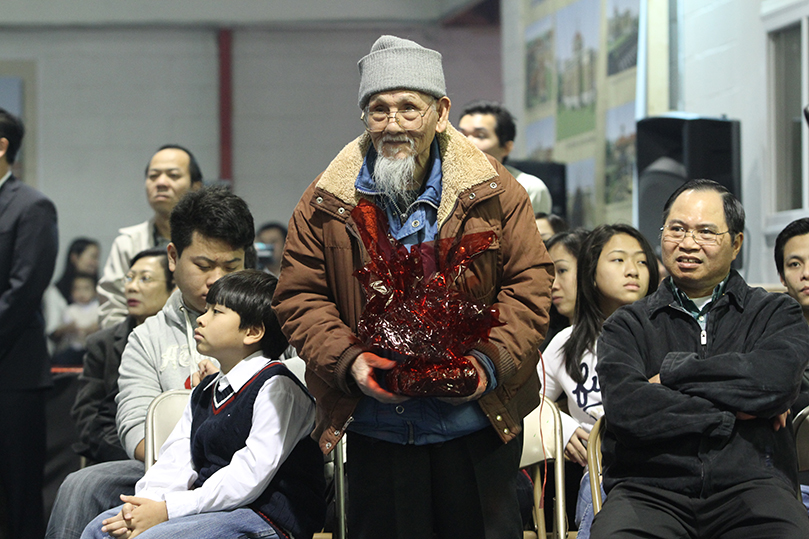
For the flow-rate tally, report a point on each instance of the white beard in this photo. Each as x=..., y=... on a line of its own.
x=393, y=176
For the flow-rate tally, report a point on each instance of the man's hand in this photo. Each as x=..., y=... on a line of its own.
x=363, y=372
x=655, y=379
x=483, y=383
x=206, y=367
x=778, y=421
x=575, y=449
x=143, y=513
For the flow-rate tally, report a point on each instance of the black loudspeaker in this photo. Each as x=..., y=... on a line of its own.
x=555, y=177
x=675, y=149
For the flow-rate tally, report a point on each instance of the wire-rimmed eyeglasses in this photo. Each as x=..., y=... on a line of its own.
x=409, y=119
x=142, y=279
x=702, y=236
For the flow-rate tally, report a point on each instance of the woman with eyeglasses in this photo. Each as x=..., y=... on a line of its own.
x=147, y=286
x=616, y=266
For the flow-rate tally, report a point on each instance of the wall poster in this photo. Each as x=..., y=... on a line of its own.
x=580, y=70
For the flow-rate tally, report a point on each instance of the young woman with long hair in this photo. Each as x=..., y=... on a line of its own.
x=616, y=266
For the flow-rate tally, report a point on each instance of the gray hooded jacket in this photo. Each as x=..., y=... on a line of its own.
x=160, y=355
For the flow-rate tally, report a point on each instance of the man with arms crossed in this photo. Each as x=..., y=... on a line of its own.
x=697, y=380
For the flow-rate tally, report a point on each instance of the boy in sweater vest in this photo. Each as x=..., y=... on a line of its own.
x=254, y=468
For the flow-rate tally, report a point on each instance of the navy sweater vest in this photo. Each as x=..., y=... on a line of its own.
x=294, y=501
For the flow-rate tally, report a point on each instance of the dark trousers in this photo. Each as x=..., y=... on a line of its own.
x=22, y=461
x=461, y=488
x=752, y=510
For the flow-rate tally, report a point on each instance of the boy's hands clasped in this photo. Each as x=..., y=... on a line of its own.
x=136, y=516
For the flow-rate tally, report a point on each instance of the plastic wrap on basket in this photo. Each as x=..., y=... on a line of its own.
x=414, y=309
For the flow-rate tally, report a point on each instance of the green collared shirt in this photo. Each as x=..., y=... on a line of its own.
x=701, y=316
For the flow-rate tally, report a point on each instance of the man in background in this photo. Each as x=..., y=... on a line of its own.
x=28, y=247
x=170, y=174
x=490, y=127
x=792, y=261
x=270, y=239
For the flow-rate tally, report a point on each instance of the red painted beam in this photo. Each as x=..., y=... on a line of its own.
x=226, y=105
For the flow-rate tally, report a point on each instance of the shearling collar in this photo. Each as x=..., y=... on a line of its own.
x=463, y=167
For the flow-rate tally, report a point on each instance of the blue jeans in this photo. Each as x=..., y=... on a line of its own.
x=89, y=491
x=237, y=524
x=584, y=507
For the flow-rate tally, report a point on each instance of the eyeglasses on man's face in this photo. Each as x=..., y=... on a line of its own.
x=702, y=236
x=409, y=118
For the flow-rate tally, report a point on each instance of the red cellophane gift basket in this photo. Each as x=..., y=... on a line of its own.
x=414, y=311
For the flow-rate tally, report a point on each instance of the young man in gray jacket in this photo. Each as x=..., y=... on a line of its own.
x=211, y=230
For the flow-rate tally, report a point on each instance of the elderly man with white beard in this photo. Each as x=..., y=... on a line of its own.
x=417, y=467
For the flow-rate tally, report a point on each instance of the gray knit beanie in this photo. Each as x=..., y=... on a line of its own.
x=400, y=63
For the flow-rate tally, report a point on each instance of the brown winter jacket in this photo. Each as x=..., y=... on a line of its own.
x=319, y=301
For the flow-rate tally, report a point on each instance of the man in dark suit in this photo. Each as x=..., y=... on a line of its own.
x=28, y=247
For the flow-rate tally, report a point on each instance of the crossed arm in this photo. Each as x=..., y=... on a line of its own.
x=694, y=395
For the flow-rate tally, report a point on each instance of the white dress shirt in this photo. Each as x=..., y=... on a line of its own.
x=282, y=415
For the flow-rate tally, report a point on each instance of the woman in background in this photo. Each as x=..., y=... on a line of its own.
x=81, y=267
x=616, y=266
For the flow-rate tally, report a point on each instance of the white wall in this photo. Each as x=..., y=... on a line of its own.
x=106, y=99
x=725, y=72
x=251, y=12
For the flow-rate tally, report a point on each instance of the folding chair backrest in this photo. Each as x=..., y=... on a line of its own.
x=800, y=426
x=542, y=439
x=594, y=463
x=161, y=418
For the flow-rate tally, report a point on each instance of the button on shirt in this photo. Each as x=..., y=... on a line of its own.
x=418, y=420
x=283, y=414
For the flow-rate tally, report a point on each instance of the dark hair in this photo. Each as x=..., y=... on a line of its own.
x=215, y=213
x=13, y=130
x=65, y=282
x=273, y=226
x=193, y=167
x=157, y=252
x=734, y=212
x=570, y=240
x=249, y=294
x=251, y=257
x=505, y=128
x=589, y=317
x=557, y=223
x=798, y=227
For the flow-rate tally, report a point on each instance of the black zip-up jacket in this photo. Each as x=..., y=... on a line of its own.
x=682, y=435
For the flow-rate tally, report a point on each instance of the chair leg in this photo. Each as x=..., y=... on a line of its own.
x=340, y=491
x=539, y=513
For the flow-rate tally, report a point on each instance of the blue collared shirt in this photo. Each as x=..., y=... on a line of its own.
x=420, y=222
x=422, y=420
